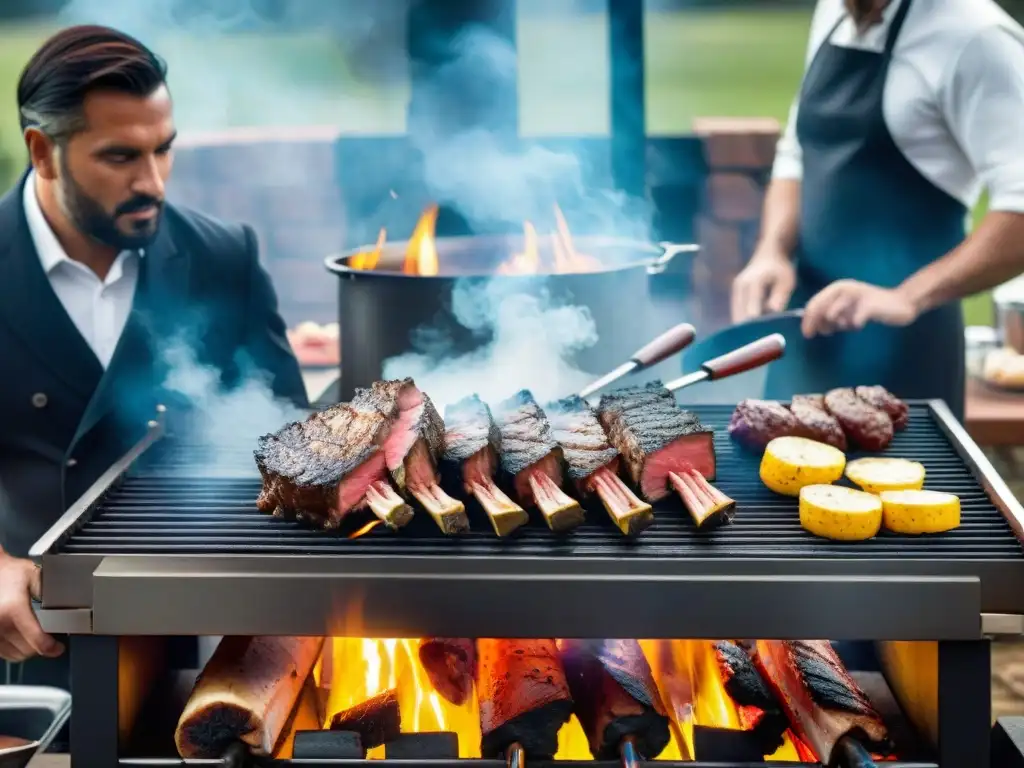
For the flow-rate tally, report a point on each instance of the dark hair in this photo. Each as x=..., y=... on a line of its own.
x=75, y=62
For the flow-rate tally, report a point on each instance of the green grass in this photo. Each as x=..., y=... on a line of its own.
x=710, y=63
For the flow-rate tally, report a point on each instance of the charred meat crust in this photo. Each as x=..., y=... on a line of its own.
x=615, y=696
x=829, y=685
x=645, y=419
x=303, y=462
x=524, y=697
x=576, y=429
x=746, y=687
x=469, y=428
x=450, y=663
x=526, y=436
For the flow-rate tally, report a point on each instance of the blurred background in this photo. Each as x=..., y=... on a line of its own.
x=343, y=63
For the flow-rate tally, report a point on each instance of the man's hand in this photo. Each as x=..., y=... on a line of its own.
x=764, y=285
x=21, y=637
x=847, y=305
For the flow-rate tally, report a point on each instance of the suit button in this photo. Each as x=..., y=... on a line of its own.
x=39, y=400
x=71, y=462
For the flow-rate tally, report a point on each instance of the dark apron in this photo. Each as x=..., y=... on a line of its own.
x=868, y=214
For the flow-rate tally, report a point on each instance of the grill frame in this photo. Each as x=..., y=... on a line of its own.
x=255, y=593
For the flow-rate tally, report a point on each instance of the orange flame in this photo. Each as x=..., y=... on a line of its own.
x=369, y=259
x=364, y=529
x=421, y=253
x=558, y=255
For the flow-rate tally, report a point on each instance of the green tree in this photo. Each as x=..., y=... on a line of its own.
x=7, y=167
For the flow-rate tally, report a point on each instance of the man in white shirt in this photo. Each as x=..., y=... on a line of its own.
x=907, y=110
x=97, y=273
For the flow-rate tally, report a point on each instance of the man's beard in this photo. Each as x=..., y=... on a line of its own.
x=92, y=220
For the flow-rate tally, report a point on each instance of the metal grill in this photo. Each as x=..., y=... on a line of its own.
x=170, y=507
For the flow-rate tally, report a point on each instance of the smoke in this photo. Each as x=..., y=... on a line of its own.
x=223, y=423
x=532, y=341
x=496, y=183
x=221, y=75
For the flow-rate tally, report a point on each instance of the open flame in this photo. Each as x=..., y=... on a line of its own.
x=353, y=670
x=694, y=693
x=552, y=253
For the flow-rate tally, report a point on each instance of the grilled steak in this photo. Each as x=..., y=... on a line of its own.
x=332, y=463
x=524, y=698
x=530, y=454
x=884, y=400
x=413, y=447
x=823, y=702
x=816, y=422
x=450, y=663
x=758, y=708
x=755, y=423
x=472, y=442
x=865, y=425
x=663, y=445
x=594, y=465
x=615, y=696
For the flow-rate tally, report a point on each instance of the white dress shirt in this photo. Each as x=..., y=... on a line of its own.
x=98, y=308
x=954, y=97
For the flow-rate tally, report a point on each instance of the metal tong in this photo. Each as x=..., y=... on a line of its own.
x=675, y=339
x=753, y=355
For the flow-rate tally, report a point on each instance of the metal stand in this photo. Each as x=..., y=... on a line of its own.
x=965, y=705
x=94, y=704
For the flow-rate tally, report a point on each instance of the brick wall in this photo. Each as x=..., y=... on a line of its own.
x=283, y=183
x=739, y=154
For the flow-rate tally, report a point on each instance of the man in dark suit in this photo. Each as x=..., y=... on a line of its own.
x=98, y=274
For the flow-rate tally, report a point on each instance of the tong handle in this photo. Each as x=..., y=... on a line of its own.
x=675, y=339
x=753, y=355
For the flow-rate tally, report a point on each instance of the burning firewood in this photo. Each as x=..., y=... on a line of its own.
x=675, y=676
x=472, y=441
x=758, y=708
x=307, y=716
x=413, y=447
x=450, y=663
x=664, y=445
x=377, y=720
x=330, y=465
x=830, y=712
x=524, y=697
x=531, y=456
x=615, y=696
x=247, y=693
x=594, y=465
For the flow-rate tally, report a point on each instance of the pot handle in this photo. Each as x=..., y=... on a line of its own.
x=670, y=251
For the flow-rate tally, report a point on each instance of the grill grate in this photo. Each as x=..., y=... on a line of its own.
x=182, y=505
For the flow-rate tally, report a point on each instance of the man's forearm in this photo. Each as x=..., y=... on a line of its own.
x=780, y=221
x=993, y=254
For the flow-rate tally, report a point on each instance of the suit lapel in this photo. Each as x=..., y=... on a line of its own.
x=135, y=372
x=32, y=309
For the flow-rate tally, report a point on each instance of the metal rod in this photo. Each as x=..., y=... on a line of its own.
x=515, y=756
x=79, y=511
x=850, y=753
x=628, y=753
x=979, y=465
